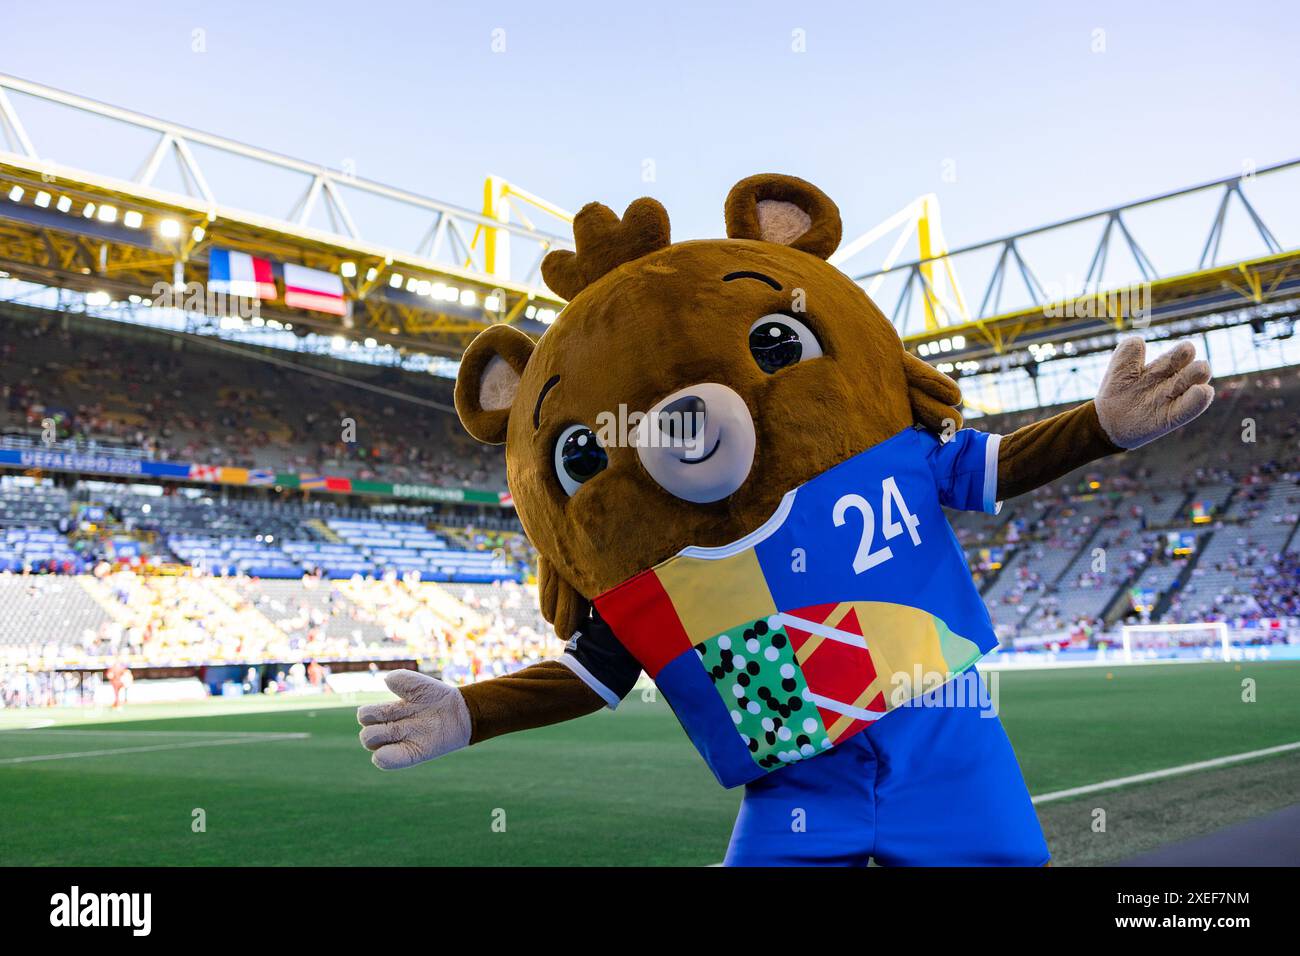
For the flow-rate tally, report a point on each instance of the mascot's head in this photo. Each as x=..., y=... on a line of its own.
x=686, y=387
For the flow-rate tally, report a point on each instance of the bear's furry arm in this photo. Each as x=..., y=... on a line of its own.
x=1036, y=454
x=545, y=693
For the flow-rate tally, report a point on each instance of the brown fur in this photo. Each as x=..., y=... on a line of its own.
x=669, y=316
x=646, y=318
x=545, y=693
x=1032, y=456
x=745, y=219
x=605, y=242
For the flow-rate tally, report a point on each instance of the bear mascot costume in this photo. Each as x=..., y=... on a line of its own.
x=734, y=475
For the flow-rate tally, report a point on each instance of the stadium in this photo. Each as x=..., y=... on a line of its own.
x=235, y=494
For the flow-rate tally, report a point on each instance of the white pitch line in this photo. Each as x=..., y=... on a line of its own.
x=1154, y=775
x=43, y=732
x=1162, y=774
x=269, y=737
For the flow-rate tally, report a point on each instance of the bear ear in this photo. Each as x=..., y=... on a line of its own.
x=488, y=381
x=785, y=210
x=935, y=398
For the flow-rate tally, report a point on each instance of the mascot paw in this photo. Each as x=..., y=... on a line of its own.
x=430, y=720
x=1139, y=403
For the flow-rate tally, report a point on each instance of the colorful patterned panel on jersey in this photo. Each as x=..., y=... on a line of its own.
x=754, y=668
x=853, y=599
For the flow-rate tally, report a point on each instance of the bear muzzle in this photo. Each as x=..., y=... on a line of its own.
x=698, y=443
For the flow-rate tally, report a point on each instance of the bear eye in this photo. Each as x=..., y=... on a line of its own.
x=778, y=341
x=578, y=457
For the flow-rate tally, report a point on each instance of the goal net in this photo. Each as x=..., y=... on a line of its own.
x=1203, y=640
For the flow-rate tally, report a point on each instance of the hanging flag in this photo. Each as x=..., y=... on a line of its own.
x=313, y=289
x=238, y=273
x=205, y=472
x=260, y=476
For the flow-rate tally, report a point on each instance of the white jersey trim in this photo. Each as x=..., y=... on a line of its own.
x=991, y=503
x=575, y=665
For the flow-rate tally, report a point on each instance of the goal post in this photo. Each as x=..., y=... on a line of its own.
x=1177, y=640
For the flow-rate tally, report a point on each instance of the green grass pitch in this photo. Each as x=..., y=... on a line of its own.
x=613, y=789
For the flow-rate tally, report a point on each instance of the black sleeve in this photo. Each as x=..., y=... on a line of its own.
x=603, y=663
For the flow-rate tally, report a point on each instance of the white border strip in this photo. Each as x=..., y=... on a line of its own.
x=847, y=710
x=821, y=630
x=999, y=663
x=575, y=665
x=1162, y=774
x=225, y=735
x=150, y=749
x=754, y=537
x=991, y=504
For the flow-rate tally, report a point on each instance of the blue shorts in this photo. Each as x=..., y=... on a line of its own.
x=926, y=786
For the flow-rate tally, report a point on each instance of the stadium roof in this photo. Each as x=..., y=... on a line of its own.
x=79, y=227
x=82, y=228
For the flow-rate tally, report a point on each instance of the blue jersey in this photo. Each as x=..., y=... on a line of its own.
x=851, y=600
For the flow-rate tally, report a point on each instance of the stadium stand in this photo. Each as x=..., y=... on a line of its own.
x=44, y=612
x=38, y=525
x=1229, y=496
x=1201, y=529
x=1244, y=559
x=95, y=573
x=127, y=392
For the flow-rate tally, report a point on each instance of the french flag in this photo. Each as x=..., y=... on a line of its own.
x=313, y=289
x=238, y=273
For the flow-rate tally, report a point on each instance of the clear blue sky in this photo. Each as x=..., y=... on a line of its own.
x=1036, y=125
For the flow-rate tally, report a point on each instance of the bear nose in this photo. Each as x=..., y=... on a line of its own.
x=682, y=419
x=701, y=459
